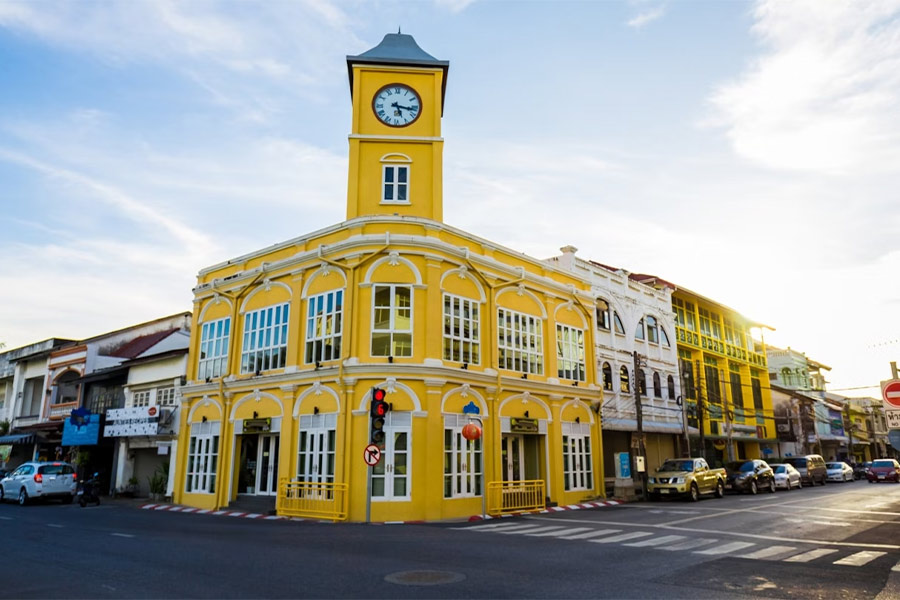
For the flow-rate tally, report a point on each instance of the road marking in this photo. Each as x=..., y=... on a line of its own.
x=622, y=537
x=725, y=548
x=860, y=558
x=657, y=541
x=896, y=568
x=124, y=535
x=752, y=536
x=55, y=525
x=590, y=534
x=519, y=529
x=768, y=553
x=555, y=531
x=694, y=543
x=484, y=526
x=6, y=518
x=538, y=529
x=811, y=555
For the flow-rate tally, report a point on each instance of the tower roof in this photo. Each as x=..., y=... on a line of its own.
x=401, y=50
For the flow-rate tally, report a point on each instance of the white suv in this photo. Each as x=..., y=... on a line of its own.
x=34, y=480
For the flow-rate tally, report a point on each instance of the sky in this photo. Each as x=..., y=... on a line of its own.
x=747, y=151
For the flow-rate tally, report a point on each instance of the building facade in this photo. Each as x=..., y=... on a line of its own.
x=288, y=342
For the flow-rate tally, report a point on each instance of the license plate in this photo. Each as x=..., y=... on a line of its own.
x=664, y=491
x=727, y=486
x=881, y=477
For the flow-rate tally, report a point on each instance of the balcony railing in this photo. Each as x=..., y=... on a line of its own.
x=61, y=411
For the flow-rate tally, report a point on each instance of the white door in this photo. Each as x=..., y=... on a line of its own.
x=513, y=454
x=315, y=461
x=267, y=474
x=391, y=476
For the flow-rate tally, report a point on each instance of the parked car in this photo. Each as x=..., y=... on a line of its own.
x=34, y=480
x=786, y=476
x=884, y=469
x=749, y=476
x=689, y=477
x=859, y=469
x=811, y=467
x=839, y=471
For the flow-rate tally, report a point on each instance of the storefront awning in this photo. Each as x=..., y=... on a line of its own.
x=17, y=438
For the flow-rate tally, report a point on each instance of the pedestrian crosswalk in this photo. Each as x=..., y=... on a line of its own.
x=715, y=547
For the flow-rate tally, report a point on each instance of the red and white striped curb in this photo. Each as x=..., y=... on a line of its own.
x=552, y=509
x=216, y=513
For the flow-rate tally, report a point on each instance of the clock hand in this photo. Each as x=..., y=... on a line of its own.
x=395, y=105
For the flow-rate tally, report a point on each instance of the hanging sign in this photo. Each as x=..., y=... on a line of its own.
x=137, y=420
x=523, y=425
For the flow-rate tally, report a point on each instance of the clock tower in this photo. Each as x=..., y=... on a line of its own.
x=396, y=149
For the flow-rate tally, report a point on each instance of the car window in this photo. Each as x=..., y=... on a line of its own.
x=780, y=469
x=797, y=462
x=883, y=463
x=55, y=469
x=677, y=465
x=743, y=466
x=833, y=465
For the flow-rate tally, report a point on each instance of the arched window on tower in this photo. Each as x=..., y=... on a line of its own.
x=607, y=377
x=624, y=383
x=657, y=385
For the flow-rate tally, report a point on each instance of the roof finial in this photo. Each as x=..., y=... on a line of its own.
x=398, y=30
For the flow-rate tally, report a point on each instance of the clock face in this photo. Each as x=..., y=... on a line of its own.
x=397, y=105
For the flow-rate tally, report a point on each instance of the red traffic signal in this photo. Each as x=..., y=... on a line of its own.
x=378, y=411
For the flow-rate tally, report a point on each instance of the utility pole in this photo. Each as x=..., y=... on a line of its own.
x=850, y=456
x=729, y=417
x=698, y=392
x=639, y=414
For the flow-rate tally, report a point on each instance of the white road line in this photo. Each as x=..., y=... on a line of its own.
x=725, y=548
x=622, y=537
x=694, y=543
x=768, y=553
x=590, y=534
x=811, y=555
x=124, y=535
x=483, y=526
x=555, y=531
x=537, y=529
x=519, y=529
x=565, y=532
x=54, y=525
x=657, y=541
x=860, y=558
x=896, y=568
x=6, y=518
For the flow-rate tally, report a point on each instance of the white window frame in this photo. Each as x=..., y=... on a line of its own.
x=316, y=447
x=203, y=458
x=324, y=326
x=463, y=460
x=395, y=424
x=394, y=309
x=652, y=326
x=395, y=185
x=140, y=398
x=570, y=362
x=520, y=343
x=265, y=338
x=165, y=396
x=604, y=322
x=214, y=337
x=578, y=468
x=459, y=347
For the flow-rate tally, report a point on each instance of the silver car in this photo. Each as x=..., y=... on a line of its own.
x=786, y=476
x=33, y=480
x=839, y=471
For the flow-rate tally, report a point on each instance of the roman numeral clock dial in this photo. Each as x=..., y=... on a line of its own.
x=397, y=105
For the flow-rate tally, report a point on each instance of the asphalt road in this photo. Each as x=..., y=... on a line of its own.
x=838, y=541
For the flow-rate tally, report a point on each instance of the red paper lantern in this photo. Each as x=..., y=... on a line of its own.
x=471, y=432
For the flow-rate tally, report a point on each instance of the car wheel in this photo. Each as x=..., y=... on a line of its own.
x=772, y=486
x=23, y=497
x=720, y=489
x=754, y=488
x=695, y=493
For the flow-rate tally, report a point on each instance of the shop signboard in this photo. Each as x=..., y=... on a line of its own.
x=136, y=420
x=523, y=425
x=82, y=429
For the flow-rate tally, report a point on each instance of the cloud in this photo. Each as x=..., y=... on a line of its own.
x=824, y=95
x=647, y=16
x=454, y=6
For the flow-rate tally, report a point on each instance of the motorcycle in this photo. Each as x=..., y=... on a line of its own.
x=88, y=491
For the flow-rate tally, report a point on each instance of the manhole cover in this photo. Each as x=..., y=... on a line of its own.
x=424, y=577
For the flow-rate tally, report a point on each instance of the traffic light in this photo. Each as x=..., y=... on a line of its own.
x=378, y=411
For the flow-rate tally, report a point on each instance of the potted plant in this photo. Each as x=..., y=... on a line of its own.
x=158, y=482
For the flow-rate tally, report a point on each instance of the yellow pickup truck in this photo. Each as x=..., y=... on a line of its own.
x=689, y=477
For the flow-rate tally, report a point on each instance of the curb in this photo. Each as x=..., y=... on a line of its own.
x=216, y=513
x=553, y=509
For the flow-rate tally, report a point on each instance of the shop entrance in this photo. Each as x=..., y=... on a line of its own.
x=521, y=457
x=259, y=465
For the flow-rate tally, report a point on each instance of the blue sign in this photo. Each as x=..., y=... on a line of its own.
x=624, y=470
x=84, y=432
x=470, y=409
x=894, y=438
x=767, y=450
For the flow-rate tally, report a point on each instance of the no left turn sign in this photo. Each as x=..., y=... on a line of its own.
x=372, y=455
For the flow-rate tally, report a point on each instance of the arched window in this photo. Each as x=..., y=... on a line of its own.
x=652, y=335
x=602, y=314
x=664, y=337
x=624, y=383
x=671, y=386
x=657, y=386
x=642, y=382
x=639, y=332
x=617, y=323
x=607, y=377
x=787, y=377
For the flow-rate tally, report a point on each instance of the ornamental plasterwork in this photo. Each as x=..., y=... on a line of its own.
x=394, y=258
x=390, y=385
x=521, y=289
x=525, y=396
x=217, y=298
x=317, y=388
x=267, y=284
x=256, y=395
x=465, y=390
x=462, y=271
x=326, y=269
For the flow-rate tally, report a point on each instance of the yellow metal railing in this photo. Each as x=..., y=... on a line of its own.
x=312, y=500
x=505, y=497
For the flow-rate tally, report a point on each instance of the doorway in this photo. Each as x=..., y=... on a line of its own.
x=512, y=450
x=259, y=465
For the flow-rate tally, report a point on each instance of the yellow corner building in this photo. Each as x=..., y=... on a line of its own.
x=289, y=342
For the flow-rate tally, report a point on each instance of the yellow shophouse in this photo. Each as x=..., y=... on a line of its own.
x=289, y=342
x=724, y=380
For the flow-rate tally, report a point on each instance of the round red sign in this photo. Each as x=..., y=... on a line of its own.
x=151, y=411
x=891, y=394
